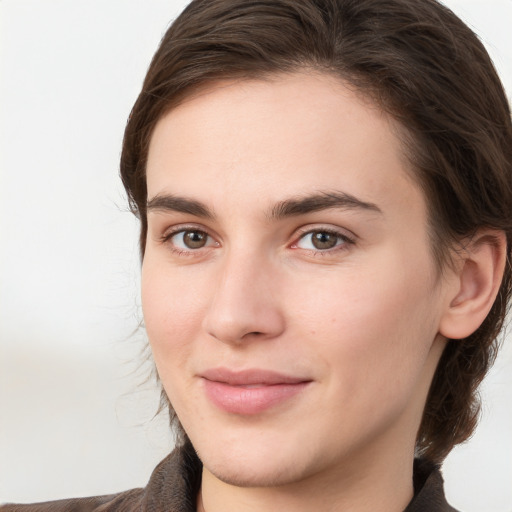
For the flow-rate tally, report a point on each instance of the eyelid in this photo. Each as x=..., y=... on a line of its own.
x=178, y=228
x=347, y=236
x=174, y=230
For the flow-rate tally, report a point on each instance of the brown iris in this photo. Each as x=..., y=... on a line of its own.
x=324, y=240
x=195, y=239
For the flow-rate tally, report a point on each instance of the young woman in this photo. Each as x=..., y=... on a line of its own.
x=324, y=190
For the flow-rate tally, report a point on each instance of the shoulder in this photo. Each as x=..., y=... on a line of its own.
x=127, y=501
x=428, y=489
x=173, y=486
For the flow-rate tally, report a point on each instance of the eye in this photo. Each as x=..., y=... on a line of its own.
x=321, y=240
x=190, y=239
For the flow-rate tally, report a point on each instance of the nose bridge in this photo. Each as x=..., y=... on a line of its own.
x=245, y=299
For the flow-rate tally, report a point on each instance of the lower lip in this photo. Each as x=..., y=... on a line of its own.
x=250, y=400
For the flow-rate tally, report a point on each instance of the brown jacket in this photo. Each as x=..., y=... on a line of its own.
x=175, y=482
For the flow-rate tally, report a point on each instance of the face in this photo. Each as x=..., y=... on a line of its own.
x=289, y=292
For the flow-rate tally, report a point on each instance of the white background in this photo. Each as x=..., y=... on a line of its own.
x=75, y=415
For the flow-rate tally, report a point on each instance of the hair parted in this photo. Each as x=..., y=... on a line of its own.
x=423, y=66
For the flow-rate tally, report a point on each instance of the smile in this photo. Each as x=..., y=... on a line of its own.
x=250, y=392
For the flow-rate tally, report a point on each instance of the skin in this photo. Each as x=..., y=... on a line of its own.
x=361, y=321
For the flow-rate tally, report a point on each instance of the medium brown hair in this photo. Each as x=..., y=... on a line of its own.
x=421, y=64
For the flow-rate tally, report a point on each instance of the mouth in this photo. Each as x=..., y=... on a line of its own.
x=250, y=392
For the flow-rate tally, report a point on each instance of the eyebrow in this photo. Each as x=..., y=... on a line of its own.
x=320, y=201
x=174, y=203
x=288, y=208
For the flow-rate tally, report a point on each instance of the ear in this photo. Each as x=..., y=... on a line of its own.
x=477, y=280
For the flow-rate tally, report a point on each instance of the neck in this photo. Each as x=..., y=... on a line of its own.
x=370, y=484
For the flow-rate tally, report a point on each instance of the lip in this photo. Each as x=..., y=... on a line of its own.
x=252, y=391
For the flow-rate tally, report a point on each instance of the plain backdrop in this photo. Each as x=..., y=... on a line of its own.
x=76, y=404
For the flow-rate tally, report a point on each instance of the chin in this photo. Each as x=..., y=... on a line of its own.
x=257, y=463
x=244, y=474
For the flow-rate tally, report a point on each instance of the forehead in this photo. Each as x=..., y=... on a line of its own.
x=289, y=134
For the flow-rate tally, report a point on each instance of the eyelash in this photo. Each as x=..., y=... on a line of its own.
x=343, y=240
x=167, y=237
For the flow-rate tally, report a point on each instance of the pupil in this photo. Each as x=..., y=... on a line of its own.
x=323, y=240
x=195, y=239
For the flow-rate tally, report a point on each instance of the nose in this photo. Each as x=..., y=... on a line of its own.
x=245, y=303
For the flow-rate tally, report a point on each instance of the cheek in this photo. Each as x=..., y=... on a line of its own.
x=172, y=318
x=172, y=311
x=372, y=325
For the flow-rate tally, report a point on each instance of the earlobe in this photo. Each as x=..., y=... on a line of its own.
x=477, y=282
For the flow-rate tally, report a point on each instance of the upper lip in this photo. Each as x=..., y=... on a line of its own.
x=250, y=377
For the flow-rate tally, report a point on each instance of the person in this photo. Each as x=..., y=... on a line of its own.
x=324, y=192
